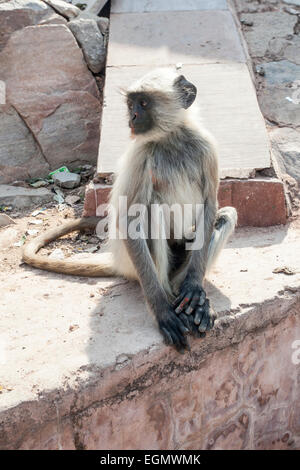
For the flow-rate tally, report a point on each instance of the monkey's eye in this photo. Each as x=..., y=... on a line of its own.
x=143, y=103
x=130, y=104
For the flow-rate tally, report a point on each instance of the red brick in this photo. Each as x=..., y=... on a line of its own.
x=259, y=202
x=95, y=195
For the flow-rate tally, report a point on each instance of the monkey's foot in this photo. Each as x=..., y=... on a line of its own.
x=194, y=310
x=204, y=317
x=174, y=330
x=192, y=295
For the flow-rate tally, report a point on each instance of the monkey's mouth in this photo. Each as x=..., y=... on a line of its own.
x=137, y=129
x=132, y=130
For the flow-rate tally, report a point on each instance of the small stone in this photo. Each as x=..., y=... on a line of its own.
x=260, y=70
x=32, y=232
x=23, y=197
x=292, y=2
x=39, y=184
x=284, y=270
x=73, y=328
x=68, y=10
x=92, y=249
x=72, y=200
x=57, y=254
x=67, y=180
x=247, y=22
x=93, y=240
x=91, y=41
x=291, y=11
x=5, y=220
x=35, y=222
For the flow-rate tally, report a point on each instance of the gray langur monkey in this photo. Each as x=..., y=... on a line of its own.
x=172, y=160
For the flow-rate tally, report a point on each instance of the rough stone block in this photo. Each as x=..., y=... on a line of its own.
x=61, y=106
x=23, y=197
x=21, y=13
x=259, y=202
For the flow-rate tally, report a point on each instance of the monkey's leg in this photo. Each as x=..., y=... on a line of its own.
x=192, y=297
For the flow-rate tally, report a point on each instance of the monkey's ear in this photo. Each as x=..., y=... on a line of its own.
x=187, y=91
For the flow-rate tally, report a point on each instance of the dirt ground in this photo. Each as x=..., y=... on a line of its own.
x=27, y=225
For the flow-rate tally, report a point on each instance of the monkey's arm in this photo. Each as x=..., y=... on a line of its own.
x=171, y=326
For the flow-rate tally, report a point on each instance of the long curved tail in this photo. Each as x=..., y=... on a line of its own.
x=99, y=267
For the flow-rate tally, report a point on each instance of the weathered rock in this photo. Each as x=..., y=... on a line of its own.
x=67, y=180
x=277, y=46
x=91, y=41
x=247, y=6
x=281, y=72
x=292, y=52
x=68, y=10
x=291, y=11
x=7, y=238
x=280, y=97
x=94, y=6
x=72, y=200
x=286, y=143
x=292, y=2
x=54, y=92
x=6, y=220
x=277, y=108
x=262, y=31
x=23, y=197
x=20, y=156
x=102, y=22
x=17, y=14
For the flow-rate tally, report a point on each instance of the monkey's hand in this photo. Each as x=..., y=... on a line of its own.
x=192, y=300
x=173, y=329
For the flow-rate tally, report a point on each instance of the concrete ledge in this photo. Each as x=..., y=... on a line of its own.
x=141, y=6
x=259, y=202
x=88, y=370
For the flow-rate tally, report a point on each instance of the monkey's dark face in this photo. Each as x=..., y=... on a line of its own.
x=140, y=112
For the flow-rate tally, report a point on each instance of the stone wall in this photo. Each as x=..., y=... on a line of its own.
x=238, y=389
x=271, y=29
x=51, y=113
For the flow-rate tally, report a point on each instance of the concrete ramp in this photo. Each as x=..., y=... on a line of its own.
x=200, y=37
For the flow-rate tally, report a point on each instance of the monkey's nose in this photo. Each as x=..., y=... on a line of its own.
x=134, y=116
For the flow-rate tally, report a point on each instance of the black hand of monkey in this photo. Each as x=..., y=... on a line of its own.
x=173, y=330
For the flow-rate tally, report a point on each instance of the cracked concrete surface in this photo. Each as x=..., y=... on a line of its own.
x=79, y=347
